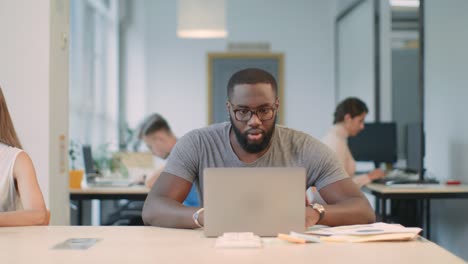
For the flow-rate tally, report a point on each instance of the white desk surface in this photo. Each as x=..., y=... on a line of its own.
x=418, y=188
x=111, y=190
x=161, y=245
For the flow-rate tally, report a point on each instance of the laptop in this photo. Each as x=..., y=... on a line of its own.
x=265, y=201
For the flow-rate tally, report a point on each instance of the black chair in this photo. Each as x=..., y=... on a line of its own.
x=127, y=214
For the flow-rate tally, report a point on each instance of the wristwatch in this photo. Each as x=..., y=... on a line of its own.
x=196, y=215
x=319, y=208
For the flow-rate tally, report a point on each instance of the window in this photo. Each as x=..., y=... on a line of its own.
x=94, y=66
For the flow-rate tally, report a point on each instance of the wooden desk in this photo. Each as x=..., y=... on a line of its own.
x=162, y=245
x=422, y=192
x=134, y=193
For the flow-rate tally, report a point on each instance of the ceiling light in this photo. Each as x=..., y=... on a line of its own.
x=404, y=3
x=201, y=19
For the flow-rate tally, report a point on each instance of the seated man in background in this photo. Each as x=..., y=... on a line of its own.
x=252, y=139
x=348, y=122
x=158, y=137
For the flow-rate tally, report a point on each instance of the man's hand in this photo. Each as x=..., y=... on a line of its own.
x=312, y=216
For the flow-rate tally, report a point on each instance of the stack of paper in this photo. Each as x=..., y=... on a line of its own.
x=299, y=238
x=366, y=233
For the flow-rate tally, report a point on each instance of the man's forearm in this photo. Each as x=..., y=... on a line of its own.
x=175, y=214
x=349, y=212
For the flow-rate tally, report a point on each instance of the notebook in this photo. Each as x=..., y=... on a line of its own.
x=264, y=201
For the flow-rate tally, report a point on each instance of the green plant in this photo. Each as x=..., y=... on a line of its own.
x=129, y=139
x=73, y=152
x=102, y=159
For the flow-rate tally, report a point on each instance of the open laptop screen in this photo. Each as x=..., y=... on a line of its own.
x=88, y=160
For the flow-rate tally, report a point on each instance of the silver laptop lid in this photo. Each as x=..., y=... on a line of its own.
x=265, y=201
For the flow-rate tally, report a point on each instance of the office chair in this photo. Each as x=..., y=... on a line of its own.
x=128, y=213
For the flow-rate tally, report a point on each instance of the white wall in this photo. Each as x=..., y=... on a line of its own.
x=446, y=93
x=355, y=56
x=34, y=77
x=302, y=30
x=16, y=57
x=356, y=31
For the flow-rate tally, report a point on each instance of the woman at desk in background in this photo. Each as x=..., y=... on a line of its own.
x=21, y=201
x=348, y=122
x=158, y=137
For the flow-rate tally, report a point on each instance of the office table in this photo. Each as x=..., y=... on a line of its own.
x=422, y=192
x=163, y=245
x=134, y=193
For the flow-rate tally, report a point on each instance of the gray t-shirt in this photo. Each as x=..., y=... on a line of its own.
x=210, y=147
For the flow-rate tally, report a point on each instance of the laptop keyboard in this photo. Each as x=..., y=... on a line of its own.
x=398, y=177
x=110, y=183
x=401, y=177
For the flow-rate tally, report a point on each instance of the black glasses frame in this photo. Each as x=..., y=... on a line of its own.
x=251, y=112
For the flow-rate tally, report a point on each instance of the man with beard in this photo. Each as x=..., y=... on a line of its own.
x=252, y=139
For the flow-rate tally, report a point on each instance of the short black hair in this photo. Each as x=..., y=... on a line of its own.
x=251, y=76
x=352, y=106
x=153, y=123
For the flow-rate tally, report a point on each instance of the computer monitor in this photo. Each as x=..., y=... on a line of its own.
x=414, y=147
x=88, y=161
x=377, y=143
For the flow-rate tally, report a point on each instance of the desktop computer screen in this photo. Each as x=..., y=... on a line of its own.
x=377, y=143
x=88, y=160
x=414, y=149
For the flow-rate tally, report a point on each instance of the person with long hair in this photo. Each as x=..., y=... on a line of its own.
x=21, y=201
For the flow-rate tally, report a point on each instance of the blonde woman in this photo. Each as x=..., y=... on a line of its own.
x=21, y=201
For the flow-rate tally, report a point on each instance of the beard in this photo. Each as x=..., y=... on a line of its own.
x=250, y=147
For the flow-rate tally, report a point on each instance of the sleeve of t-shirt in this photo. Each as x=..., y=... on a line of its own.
x=183, y=160
x=324, y=166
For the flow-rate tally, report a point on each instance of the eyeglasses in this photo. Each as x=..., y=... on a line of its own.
x=263, y=113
